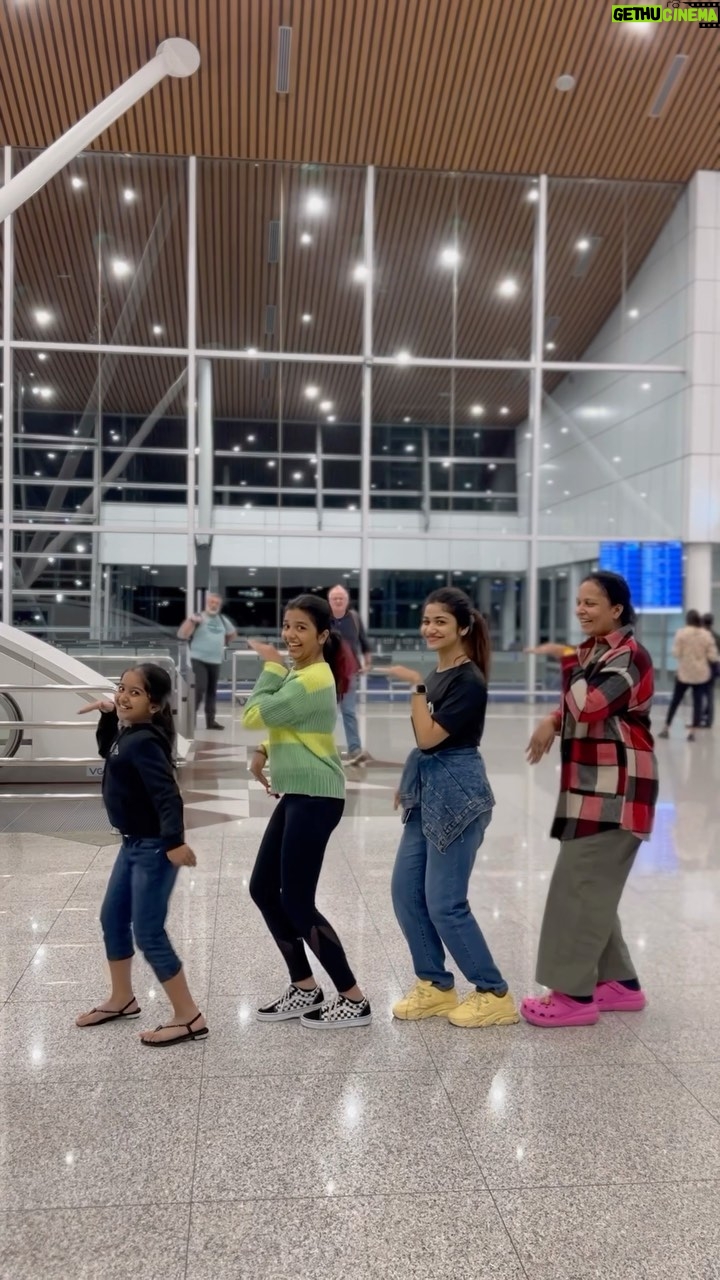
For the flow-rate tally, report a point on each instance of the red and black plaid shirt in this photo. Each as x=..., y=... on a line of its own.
x=609, y=773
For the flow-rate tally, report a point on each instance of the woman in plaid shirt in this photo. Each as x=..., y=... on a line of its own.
x=608, y=792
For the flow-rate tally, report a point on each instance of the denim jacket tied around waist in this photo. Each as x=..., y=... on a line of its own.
x=450, y=788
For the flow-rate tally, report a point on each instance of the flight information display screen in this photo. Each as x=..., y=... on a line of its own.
x=654, y=572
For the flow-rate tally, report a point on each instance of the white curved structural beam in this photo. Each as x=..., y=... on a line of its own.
x=174, y=57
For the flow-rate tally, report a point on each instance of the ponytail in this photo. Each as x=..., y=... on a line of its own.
x=164, y=720
x=158, y=687
x=476, y=641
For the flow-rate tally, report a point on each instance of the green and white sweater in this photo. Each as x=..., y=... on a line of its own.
x=299, y=709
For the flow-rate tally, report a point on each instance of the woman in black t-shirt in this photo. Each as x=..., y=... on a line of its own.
x=447, y=804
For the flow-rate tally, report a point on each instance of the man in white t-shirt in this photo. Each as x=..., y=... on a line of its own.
x=208, y=633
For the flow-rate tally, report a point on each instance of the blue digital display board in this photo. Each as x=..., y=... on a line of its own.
x=653, y=571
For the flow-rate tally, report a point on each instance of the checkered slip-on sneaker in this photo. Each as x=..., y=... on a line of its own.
x=338, y=1012
x=293, y=1003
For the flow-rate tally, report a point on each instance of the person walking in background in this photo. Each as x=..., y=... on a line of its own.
x=708, y=715
x=608, y=793
x=447, y=805
x=208, y=633
x=350, y=625
x=299, y=710
x=136, y=737
x=695, y=649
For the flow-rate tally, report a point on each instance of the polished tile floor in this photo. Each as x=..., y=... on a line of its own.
x=411, y=1152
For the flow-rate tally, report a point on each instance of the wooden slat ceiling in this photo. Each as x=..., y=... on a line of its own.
x=465, y=85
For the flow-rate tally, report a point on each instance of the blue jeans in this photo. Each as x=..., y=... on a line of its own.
x=136, y=901
x=429, y=893
x=348, y=711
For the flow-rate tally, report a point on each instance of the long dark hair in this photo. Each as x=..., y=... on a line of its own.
x=158, y=687
x=692, y=618
x=614, y=586
x=336, y=652
x=477, y=641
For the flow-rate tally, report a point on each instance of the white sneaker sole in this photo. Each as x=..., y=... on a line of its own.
x=347, y=1023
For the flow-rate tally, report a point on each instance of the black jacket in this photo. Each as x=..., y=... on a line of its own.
x=139, y=788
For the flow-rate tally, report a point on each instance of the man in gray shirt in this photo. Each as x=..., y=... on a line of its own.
x=349, y=623
x=208, y=633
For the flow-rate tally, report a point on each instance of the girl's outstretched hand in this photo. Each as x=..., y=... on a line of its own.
x=541, y=741
x=102, y=704
x=406, y=674
x=551, y=650
x=267, y=652
x=183, y=856
x=257, y=767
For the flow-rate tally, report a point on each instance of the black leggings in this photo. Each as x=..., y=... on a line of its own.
x=698, y=696
x=206, y=683
x=284, y=880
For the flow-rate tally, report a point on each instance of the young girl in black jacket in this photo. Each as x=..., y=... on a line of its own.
x=136, y=736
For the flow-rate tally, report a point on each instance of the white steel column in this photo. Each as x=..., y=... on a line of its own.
x=536, y=392
x=366, y=428
x=191, y=380
x=7, y=408
x=698, y=576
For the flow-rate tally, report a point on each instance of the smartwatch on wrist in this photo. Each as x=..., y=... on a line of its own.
x=419, y=688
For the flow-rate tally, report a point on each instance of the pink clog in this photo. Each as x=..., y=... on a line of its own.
x=557, y=1010
x=613, y=997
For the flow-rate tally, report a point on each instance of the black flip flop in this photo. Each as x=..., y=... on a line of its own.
x=181, y=1039
x=112, y=1017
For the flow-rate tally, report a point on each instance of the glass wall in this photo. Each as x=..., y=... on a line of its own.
x=392, y=418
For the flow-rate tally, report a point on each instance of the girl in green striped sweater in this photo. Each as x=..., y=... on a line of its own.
x=299, y=710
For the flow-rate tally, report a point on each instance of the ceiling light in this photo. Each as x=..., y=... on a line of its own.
x=528, y=435
x=77, y=183
x=533, y=195
x=272, y=464
x=360, y=273
x=120, y=268
x=42, y=355
x=250, y=439
x=236, y=448
x=157, y=330
x=467, y=484
x=80, y=546
x=617, y=458
x=52, y=456
x=446, y=463
x=403, y=357
x=450, y=256
x=476, y=410
x=78, y=582
x=583, y=245
x=306, y=238
x=492, y=466
x=306, y=318
x=407, y=419
x=326, y=406
x=645, y=386
x=564, y=431
x=550, y=346
x=566, y=493
x=476, y=435
x=297, y=475
x=565, y=83
x=331, y=417
x=312, y=393
x=36, y=391
x=633, y=314
x=508, y=288
x=129, y=195
x=315, y=203
x=46, y=393
x=252, y=351
x=43, y=317
x=37, y=473
x=409, y=448
x=352, y=507
x=59, y=597
x=504, y=411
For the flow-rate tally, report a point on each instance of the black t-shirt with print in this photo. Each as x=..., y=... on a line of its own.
x=457, y=699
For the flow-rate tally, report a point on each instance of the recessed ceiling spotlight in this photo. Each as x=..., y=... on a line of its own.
x=633, y=313
x=77, y=183
x=533, y=195
x=42, y=355
x=409, y=448
x=583, y=245
x=120, y=268
x=312, y=393
x=450, y=256
x=43, y=317
x=477, y=410
x=508, y=288
x=325, y=406
x=157, y=330
x=407, y=419
x=306, y=238
x=252, y=351
x=129, y=195
x=297, y=475
x=360, y=273
x=403, y=357
x=550, y=346
x=315, y=203
x=331, y=417
x=504, y=411
x=306, y=318
x=565, y=83
x=645, y=386
x=617, y=458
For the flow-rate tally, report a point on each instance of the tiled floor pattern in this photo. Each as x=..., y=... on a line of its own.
x=400, y=1152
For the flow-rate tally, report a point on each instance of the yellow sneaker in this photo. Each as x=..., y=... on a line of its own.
x=484, y=1009
x=425, y=1001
